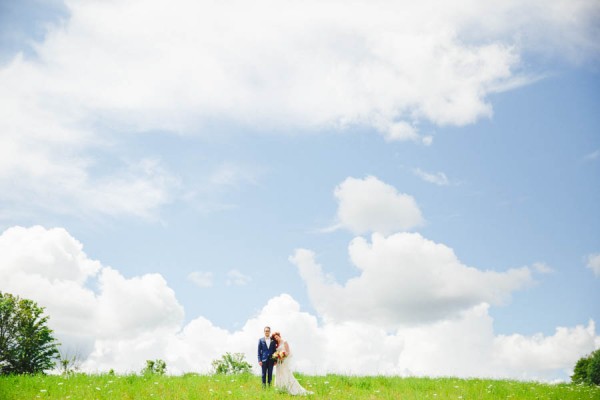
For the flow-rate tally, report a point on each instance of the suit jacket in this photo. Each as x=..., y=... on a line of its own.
x=264, y=352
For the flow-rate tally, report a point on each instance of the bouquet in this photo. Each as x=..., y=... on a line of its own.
x=279, y=355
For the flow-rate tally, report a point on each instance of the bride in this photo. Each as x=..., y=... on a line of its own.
x=284, y=379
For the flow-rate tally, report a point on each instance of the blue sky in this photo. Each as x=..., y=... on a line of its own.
x=193, y=149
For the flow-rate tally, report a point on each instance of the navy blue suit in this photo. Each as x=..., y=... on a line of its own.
x=264, y=355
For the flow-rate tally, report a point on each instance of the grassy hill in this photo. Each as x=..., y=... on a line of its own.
x=192, y=386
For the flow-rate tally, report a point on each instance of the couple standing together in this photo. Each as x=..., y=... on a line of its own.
x=273, y=350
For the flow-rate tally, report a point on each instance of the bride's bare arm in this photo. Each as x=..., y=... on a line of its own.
x=287, y=347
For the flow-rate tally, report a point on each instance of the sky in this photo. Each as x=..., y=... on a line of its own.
x=400, y=188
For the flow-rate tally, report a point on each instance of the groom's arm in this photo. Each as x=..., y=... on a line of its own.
x=259, y=353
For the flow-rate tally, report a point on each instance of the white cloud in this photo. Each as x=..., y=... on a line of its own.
x=398, y=131
x=201, y=279
x=50, y=267
x=127, y=321
x=232, y=174
x=366, y=205
x=544, y=353
x=541, y=268
x=142, y=66
x=427, y=140
x=336, y=70
x=467, y=346
x=139, y=191
x=404, y=278
x=593, y=263
x=438, y=178
x=237, y=278
x=46, y=162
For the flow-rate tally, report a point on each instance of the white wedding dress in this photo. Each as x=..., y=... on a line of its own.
x=284, y=379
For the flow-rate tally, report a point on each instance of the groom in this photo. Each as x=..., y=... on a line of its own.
x=266, y=348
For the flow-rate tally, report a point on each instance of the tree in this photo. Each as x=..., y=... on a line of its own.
x=593, y=368
x=587, y=369
x=231, y=364
x=580, y=371
x=26, y=343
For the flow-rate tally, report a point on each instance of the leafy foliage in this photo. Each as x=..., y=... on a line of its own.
x=593, y=368
x=155, y=367
x=580, y=371
x=587, y=369
x=26, y=343
x=231, y=364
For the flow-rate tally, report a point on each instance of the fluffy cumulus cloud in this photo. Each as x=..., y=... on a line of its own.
x=368, y=205
x=111, y=68
x=544, y=352
x=117, y=322
x=404, y=278
x=86, y=301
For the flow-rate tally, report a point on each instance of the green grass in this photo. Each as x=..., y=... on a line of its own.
x=192, y=386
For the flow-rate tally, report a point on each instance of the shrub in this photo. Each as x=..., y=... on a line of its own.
x=68, y=363
x=231, y=364
x=155, y=367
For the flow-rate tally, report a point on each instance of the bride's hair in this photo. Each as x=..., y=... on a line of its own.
x=273, y=337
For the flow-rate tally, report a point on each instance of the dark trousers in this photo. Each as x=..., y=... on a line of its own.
x=267, y=371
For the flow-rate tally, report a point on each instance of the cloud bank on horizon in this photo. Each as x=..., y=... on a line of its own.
x=417, y=308
x=114, y=322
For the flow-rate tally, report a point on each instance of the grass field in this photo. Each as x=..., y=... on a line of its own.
x=192, y=386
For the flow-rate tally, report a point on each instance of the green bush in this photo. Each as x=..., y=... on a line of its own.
x=155, y=367
x=231, y=364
